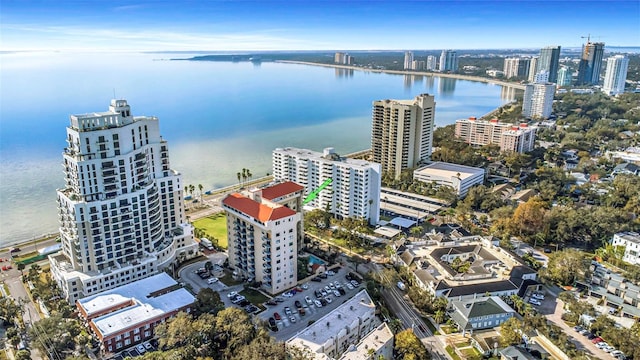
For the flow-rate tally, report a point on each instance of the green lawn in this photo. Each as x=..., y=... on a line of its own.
x=228, y=280
x=255, y=297
x=452, y=353
x=214, y=226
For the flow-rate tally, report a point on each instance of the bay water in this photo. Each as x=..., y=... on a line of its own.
x=218, y=117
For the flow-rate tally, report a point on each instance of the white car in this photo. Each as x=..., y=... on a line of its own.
x=336, y=284
x=141, y=349
x=148, y=346
x=238, y=299
x=535, y=302
x=336, y=293
x=287, y=294
x=292, y=319
x=602, y=345
x=305, y=286
x=330, y=273
x=538, y=296
x=318, y=303
x=212, y=280
x=349, y=286
x=308, y=300
x=232, y=294
x=328, y=299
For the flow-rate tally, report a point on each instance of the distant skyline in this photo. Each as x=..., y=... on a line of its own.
x=165, y=25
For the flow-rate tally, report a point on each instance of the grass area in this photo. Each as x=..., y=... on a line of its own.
x=214, y=226
x=470, y=353
x=452, y=353
x=228, y=280
x=255, y=297
x=25, y=256
x=461, y=344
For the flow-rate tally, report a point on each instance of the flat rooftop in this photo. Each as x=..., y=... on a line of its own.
x=335, y=324
x=330, y=157
x=145, y=306
x=374, y=340
x=407, y=204
x=447, y=170
x=629, y=236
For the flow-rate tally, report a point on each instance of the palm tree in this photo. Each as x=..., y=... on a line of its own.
x=239, y=177
x=200, y=187
x=249, y=174
x=439, y=316
x=192, y=188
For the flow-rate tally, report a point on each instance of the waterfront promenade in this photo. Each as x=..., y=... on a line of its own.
x=411, y=72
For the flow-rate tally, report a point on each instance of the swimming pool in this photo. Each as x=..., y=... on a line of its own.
x=315, y=260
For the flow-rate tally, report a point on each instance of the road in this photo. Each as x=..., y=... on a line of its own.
x=410, y=318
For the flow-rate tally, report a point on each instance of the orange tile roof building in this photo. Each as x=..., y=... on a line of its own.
x=264, y=228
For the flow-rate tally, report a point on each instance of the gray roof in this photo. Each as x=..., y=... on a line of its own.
x=626, y=167
x=514, y=352
x=473, y=308
x=424, y=276
x=490, y=287
x=408, y=257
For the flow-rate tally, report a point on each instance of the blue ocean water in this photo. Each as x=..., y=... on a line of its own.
x=218, y=117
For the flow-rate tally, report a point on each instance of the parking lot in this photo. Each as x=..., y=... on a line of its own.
x=289, y=325
x=137, y=350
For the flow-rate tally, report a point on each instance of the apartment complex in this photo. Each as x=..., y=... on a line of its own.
x=127, y=315
x=332, y=335
x=402, y=132
x=615, y=76
x=342, y=58
x=480, y=313
x=510, y=137
x=264, y=228
x=121, y=210
x=538, y=99
x=354, y=190
x=564, y=77
x=590, y=63
x=459, y=177
x=516, y=67
x=533, y=66
x=448, y=61
x=631, y=243
x=432, y=63
x=378, y=344
x=549, y=61
x=408, y=60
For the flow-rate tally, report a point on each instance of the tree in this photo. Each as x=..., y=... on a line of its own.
x=22, y=355
x=439, y=316
x=239, y=174
x=565, y=266
x=529, y=217
x=234, y=330
x=409, y=347
x=602, y=323
x=208, y=301
x=511, y=331
x=416, y=231
x=9, y=310
x=200, y=187
x=263, y=347
x=395, y=325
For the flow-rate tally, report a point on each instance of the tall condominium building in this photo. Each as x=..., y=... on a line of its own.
x=564, y=76
x=509, y=137
x=342, y=58
x=408, y=60
x=590, y=63
x=533, y=65
x=538, y=100
x=402, y=132
x=541, y=77
x=417, y=65
x=355, y=187
x=615, y=75
x=516, y=67
x=432, y=63
x=264, y=228
x=549, y=61
x=121, y=210
x=448, y=61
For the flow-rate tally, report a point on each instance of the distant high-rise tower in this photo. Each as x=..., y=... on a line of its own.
x=448, y=61
x=402, y=132
x=590, y=63
x=549, y=61
x=432, y=63
x=408, y=60
x=121, y=211
x=564, y=76
x=516, y=68
x=533, y=65
x=538, y=100
x=615, y=75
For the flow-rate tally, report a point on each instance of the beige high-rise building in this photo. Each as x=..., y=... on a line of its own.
x=516, y=68
x=408, y=60
x=510, y=137
x=264, y=228
x=402, y=132
x=538, y=99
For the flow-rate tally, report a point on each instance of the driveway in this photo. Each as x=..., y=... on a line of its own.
x=582, y=342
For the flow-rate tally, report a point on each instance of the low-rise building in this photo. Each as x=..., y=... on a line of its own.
x=631, y=243
x=127, y=315
x=378, y=344
x=459, y=177
x=617, y=291
x=480, y=313
x=626, y=169
x=510, y=137
x=332, y=335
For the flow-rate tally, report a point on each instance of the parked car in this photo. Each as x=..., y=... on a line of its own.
x=212, y=280
x=272, y=324
x=349, y=286
x=323, y=292
x=316, y=279
x=597, y=340
x=317, y=303
x=342, y=291
x=14, y=250
x=323, y=276
x=330, y=273
x=535, y=302
x=238, y=299
x=336, y=293
x=271, y=302
x=287, y=310
x=141, y=349
x=355, y=283
x=305, y=286
x=308, y=300
x=288, y=294
x=302, y=312
x=616, y=353
x=298, y=304
x=578, y=328
x=232, y=294
x=331, y=286
x=538, y=296
x=327, y=288
x=204, y=275
x=277, y=316
x=278, y=299
x=292, y=319
x=148, y=346
x=323, y=301
x=328, y=299
x=337, y=284
x=318, y=293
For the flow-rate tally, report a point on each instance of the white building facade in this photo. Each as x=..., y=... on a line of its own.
x=631, y=243
x=263, y=235
x=402, y=132
x=448, y=61
x=432, y=63
x=355, y=187
x=459, y=177
x=408, y=60
x=538, y=100
x=615, y=75
x=121, y=211
x=510, y=137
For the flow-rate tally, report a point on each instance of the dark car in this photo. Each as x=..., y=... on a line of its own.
x=323, y=302
x=15, y=250
x=298, y=304
x=316, y=279
x=204, y=275
x=272, y=324
x=342, y=290
x=547, y=250
x=277, y=316
x=318, y=294
x=244, y=303
x=348, y=277
x=323, y=276
x=279, y=299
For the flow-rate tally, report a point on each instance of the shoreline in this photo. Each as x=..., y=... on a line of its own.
x=409, y=72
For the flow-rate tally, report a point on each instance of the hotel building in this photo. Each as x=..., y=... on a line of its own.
x=355, y=187
x=121, y=211
x=615, y=75
x=264, y=228
x=332, y=335
x=127, y=315
x=509, y=137
x=402, y=132
x=538, y=100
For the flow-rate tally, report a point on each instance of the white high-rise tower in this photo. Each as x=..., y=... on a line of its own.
x=121, y=211
x=615, y=75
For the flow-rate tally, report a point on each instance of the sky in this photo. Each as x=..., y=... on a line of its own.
x=237, y=25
